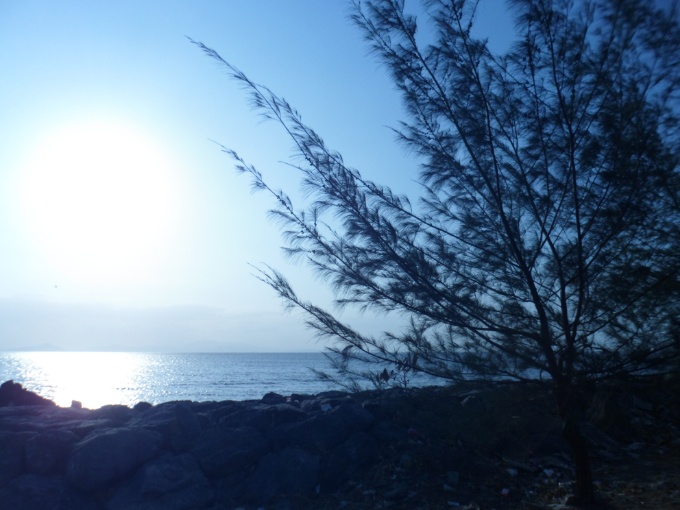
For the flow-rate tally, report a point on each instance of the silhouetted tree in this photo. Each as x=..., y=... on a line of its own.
x=545, y=240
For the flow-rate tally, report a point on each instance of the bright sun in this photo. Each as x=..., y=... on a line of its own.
x=101, y=200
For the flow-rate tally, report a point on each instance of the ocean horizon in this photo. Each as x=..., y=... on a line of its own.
x=98, y=378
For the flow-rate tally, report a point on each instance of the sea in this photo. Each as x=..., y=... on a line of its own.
x=96, y=379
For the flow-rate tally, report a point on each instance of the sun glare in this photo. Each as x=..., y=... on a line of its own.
x=92, y=378
x=101, y=200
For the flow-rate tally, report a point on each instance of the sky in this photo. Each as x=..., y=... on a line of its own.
x=122, y=224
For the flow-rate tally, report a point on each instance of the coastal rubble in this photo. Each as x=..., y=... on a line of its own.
x=420, y=448
x=180, y=455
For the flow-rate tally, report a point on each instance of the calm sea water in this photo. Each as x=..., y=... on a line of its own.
x=100, y=378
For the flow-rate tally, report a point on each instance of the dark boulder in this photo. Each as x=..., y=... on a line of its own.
x=262, y=416
x=175, y=421
x=288, y=471
x=349, y=459
x=12, y=448
x=35, y=492
x=318, y=433
x=217, y=410
x=170, y=482
x=108, y=456
x=369, y=450
x=273, y=398
x=354, y=416
x=222, y=451
x=142, y=406
x=117, y=414
x=48, y=451
x=387, y=433
x=13, y=394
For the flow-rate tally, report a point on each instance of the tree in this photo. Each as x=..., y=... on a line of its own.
x=545, y=242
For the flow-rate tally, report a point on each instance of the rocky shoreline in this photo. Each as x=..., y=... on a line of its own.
x=426, y=448
x=183, y=455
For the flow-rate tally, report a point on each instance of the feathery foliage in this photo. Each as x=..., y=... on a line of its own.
x=546, y=238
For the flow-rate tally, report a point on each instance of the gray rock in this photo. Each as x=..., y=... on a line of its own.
x=217, y=410
x=388, y=433
x=189, y=425
x=161, y=418
x=598, y=438
x=47, y=452
x=42, y=418
x=397, y=492
x=310, y=404
x=34, y=492
x=175, y=421
x=349, y=459
x=186, y=455
x=289, y=471
x=298, y=398
x=188, y=421
x=117, y=414
x=170, y=482
x=273, y=398
x=473, y=403
x=334, y=395
x=142, y=406
x=319, y=432
x=110, y=455
x=12, y=448
x=13, y=394
x=23, y=418
x=262, y=416
x=353, y=415
x=221, y=451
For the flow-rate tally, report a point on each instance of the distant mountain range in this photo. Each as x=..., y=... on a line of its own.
x=39, y=347
x=200, y=347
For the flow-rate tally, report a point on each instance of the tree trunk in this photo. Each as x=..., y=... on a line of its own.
x=584, y=494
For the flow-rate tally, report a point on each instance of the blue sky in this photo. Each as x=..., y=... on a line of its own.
x=123, y=226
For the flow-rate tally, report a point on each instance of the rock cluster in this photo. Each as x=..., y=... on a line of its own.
x=185, y=455
x=467, y=446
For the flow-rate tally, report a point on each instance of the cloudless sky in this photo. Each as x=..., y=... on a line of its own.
x=122, y=226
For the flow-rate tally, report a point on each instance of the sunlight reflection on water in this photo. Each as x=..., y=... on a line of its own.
x=93, y=378
x=100, y=378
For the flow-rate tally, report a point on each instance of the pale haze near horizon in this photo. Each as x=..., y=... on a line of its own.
x=123, y=226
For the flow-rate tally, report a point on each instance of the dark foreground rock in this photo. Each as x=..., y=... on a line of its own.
x=465, y=447
x=181, y=455
x=13, y=394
